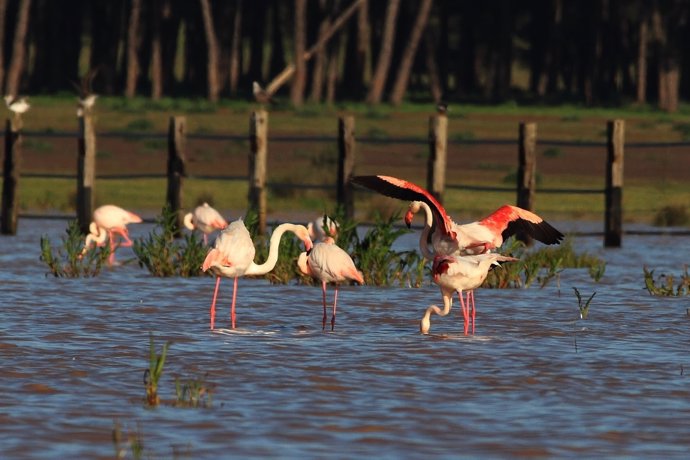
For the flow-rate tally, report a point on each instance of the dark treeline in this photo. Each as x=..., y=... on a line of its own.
x=595, y=52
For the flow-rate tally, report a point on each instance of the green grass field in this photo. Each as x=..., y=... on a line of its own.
x=655, y=177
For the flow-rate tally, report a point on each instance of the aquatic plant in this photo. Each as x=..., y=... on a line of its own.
x=193, y=392
x=135, y=442
x=67, y=261
x=165, y=255
x=665, y=285
x=153, y=374
x=541, y=265
x=671, y=216
x=583, y=307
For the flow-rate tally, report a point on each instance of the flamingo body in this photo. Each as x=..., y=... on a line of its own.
x=329, y=264
x=233, y=257
x=109, y=220
x=458, y=274
x=205, y=219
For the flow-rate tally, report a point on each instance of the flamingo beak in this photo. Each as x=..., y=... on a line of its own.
x=308, y=245
x=408, y=218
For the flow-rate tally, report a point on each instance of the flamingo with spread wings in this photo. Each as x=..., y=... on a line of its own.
x=233, y=257
x=461, y=239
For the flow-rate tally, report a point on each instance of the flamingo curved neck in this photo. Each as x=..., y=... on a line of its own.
x=424, y=237
x=272, y=258
x=98, y=235
x=188, y=221
x=425, y=323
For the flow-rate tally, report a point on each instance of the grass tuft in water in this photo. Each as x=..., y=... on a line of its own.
x=153, y=374
x=542, y=265
x=665, y=285
x=164, y=255
x=583, y=307
x=193, y=392
x=135, y=442
x=67, y=261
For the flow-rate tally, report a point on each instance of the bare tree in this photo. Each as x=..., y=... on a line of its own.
x=160, y=7
x=133, y=39
x=212, y=49
x=642, y=62
x=18, y=49
x=298, y=83
x=430, y=58
x=380, y=76
x=403, y=77
x=3, y=10
x=320, y=57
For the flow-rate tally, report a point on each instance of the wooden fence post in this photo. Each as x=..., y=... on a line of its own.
x=10, y=183
x=177, y=131
x=86, y=170
x=436, y=166
x=258, y=140
x=526, y=173
x=346, y=165
x=613, y=219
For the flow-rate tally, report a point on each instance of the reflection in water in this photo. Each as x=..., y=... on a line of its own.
x=534, y=381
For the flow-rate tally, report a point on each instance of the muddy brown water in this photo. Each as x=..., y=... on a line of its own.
x=534, y=381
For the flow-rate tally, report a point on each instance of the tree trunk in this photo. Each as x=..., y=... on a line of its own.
x=380, y=76
x=435, y=86
x=18, y=49
x=3, y=11
x=212, y=49
x=403, y=77
x=257, y=30
x=320, y=58
x=157, y=52
x=106, y=25
x=133, y=37
x=642, y=63
x=277, y=61
x=299, y=79
x=235, y=49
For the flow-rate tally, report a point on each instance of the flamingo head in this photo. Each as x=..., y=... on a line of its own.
x=413, y=209
x=303, y=234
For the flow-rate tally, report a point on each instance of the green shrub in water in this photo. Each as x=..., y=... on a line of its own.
x=68, y=261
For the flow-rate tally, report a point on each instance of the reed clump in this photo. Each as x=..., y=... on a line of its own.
x=68, y=261
x=665, y=285
x=153, y=374
x=193, y=392
x=165, y=255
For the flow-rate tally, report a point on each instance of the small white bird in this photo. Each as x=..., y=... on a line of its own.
x=322, y=227
x=87, y=98
x=18, y=105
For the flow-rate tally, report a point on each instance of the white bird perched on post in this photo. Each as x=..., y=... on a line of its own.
x=87, y=98
x=18, y=105
x=261, y=95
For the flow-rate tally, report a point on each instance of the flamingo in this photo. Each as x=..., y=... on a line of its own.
x=460, y=273
x=328, y=263
x=109, y=220
x=454, y=239
x=233, y=256
x=206, y=219
x=317, y=228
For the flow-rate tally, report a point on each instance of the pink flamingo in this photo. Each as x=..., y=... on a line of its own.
x=460, y=273
x=450, y=238
x=317, y=228
x=329, y=264
x=206, y=219
x=233, y=256
x=109, y=220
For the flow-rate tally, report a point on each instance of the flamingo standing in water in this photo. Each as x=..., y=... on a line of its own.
x=322, y=227
x=460, y=273
x=329, y=264
x=233, y=256
x=109, y=220
x=206, y=219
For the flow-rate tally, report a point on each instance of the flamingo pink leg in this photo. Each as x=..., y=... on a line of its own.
x=470, y=296
x=111, y=242
x=335, y=301
x=213, y=303
x=323, y=289
x=465, y=311
x=232, y=309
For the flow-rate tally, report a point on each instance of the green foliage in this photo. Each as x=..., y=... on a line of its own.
x=665, y=285
x=583, y=307
x=140, y=124
x=541, y=265
x=552, y=152
x=683, y=128
x=374, y=256
x=671, y=216
x=164, y=255
x=193, y=392
x=67, y=261
x=135, y=441
x=153, y=374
